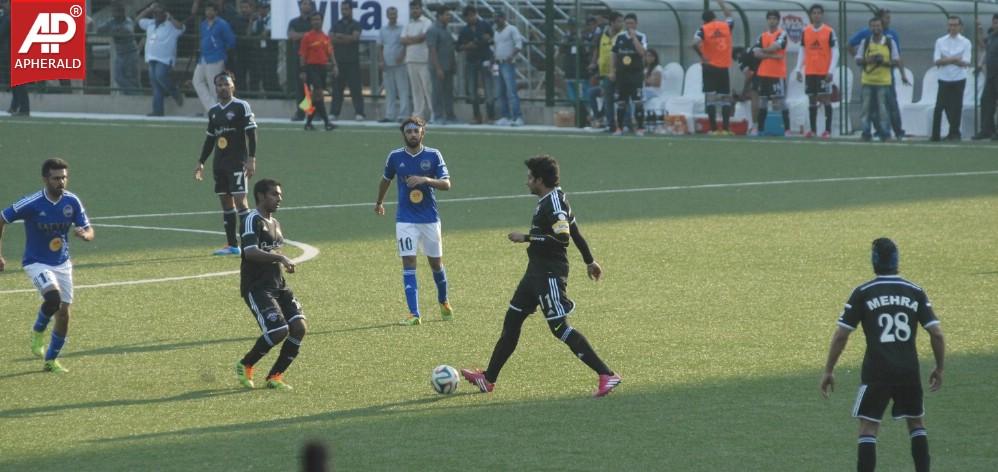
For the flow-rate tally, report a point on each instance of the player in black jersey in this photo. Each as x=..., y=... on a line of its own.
x=546, y=279
x=627, y=71
x=888, y=308
x=232, y=134
x=262, y=286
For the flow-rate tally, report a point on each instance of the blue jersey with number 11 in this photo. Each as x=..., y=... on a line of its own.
x=417, y=204
x=46, y=225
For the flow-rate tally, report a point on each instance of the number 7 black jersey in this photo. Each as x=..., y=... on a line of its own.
x=889, y=307
x=228, y=124
x=549, y=235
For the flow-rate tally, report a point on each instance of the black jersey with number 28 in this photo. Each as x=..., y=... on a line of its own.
x=889, y=307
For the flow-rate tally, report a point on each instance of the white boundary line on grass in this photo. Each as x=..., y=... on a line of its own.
x=308, y=252
x=671, y=188
x=102, y=119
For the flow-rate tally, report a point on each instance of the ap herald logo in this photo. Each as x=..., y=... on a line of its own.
x=47, y=40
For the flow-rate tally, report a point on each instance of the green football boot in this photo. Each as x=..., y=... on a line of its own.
x=245, y=374
x=276, y=382
x=446, y=312
x=38, y=343
x=411, y=320
x=55, y=367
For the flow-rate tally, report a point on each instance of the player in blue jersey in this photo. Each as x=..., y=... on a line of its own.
x=421, y=171
x=48, y=216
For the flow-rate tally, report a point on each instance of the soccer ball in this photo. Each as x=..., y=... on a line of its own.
x=444, y=379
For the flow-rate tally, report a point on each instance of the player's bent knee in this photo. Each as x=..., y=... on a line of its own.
x=559, y=327
x=51, y=302
x=298, y=328
x=277, y=335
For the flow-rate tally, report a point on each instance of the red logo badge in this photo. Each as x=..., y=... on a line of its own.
x=48, y=40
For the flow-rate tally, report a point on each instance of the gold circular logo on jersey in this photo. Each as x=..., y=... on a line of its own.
x=416, y=196
x=626, y=60
x=223, y=143
x=55, y=244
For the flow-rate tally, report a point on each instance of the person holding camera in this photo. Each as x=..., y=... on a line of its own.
x=878, y=55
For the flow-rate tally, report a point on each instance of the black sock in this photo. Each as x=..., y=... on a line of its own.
x=920, y=449
x=867, y=454
x=761, y=118
x=812, y=115
x=242, y=223
x=712, y=117
x=726, y=117
x=289, y=350
x=786, y=119
x=639, y=113
x=828, y=118
x=229, y=221
x=506, y=344
x=320, y=108
x=621, y=111
x=260, y=349
x=581, y=348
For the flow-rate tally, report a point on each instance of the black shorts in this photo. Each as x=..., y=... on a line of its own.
x=772, y=87
x=548, y=291
x=716, y=80
x=230, y=182
x=817, y=85
x=315, y=75
x=628, y=88
x=872, y=400
x=273, y=308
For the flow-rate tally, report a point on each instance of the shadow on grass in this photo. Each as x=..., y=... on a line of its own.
x=44, y=410
x=759, y=423
x=161, y=346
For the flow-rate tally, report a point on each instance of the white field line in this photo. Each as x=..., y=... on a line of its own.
x=671, y=188
x=308, y=252
x=282, y=125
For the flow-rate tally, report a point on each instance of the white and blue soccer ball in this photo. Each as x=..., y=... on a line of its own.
x=444, y=379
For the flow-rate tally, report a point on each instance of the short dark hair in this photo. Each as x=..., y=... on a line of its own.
x=469, y=10
x=412, y=120
x=876, y=18
x=416, y=3
x=816, y=6
x=210, y=6
x=631, y=16
x=544, y=167
x=957, y=18
x=264, y=186
x=708, y=16
x=442, y=10
x=882, y=12
x=772, y=14
x=613, y=16
x=53, y=164
x=224, y=75
x=884, y=256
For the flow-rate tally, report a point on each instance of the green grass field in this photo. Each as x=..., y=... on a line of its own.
x=724, y=277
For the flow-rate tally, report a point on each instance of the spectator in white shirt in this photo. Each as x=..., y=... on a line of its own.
x=952, y=57
x=162, y=32
x=508, y=43
x=417, y=60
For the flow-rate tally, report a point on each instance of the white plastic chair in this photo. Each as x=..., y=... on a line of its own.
x=916, y=117
x=905, y=93
x=672, y=80
x=692, y=100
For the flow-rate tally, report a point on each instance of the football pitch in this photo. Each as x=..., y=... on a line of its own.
x=726, y=261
